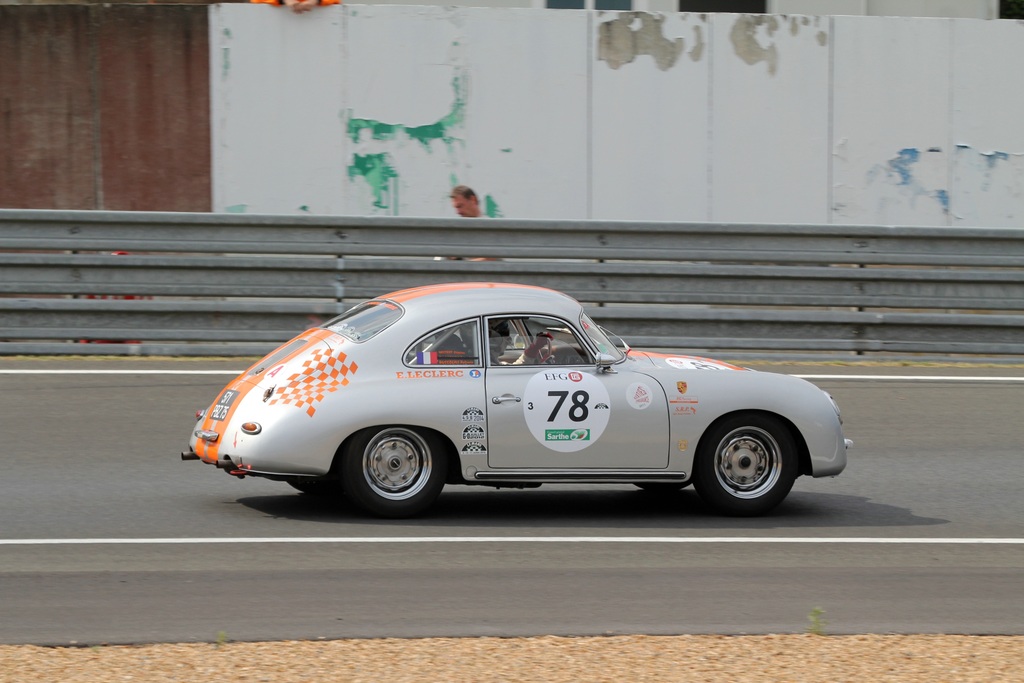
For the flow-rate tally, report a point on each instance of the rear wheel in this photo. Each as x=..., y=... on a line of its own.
x=746, y=464
x=394, y=471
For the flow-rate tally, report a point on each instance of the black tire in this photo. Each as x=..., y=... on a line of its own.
x=661, y=487
x=394, y=472
x=326, y=488
x=746, y=464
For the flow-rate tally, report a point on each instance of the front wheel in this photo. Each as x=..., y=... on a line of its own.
x=394, y=472
x=746, y=465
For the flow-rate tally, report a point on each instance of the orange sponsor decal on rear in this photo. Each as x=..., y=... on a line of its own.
x=323, y=373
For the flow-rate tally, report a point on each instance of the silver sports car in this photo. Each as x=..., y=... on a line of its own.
x=508, y=385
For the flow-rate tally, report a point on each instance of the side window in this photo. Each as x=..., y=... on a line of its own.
x=454, y=345
x=534, y=340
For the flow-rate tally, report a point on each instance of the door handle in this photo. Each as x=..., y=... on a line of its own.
x=505, y=398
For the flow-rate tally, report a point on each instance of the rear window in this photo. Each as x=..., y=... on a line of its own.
x=365, y=320
x=453, y=345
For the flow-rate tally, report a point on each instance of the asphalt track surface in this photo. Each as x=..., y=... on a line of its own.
x=106, y=536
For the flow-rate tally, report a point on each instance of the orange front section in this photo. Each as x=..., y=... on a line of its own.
x=663, y=356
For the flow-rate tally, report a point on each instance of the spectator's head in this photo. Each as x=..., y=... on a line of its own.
x=465, y=201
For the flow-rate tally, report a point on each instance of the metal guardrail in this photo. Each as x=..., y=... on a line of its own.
x=226, y=284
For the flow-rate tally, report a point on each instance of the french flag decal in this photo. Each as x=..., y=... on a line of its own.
x=426, y=358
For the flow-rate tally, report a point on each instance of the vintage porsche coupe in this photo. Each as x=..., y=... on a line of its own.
x=509, y=385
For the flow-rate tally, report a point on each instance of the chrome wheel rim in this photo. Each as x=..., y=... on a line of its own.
x=397, y=464
x=748, y=462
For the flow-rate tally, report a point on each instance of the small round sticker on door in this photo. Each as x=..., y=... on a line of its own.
x=566, y=410
x=638, y=395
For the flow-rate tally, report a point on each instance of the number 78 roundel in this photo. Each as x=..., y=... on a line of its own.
x=566, y=411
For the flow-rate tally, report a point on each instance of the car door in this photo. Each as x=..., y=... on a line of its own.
x=565, y=413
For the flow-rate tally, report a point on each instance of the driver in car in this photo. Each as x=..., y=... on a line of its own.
x=539, y=351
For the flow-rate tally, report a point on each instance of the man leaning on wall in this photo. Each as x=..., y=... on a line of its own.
x=465, y=202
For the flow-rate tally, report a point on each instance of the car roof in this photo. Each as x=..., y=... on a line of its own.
x=465, y=299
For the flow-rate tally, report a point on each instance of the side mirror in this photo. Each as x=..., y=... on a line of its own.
x=605, y=363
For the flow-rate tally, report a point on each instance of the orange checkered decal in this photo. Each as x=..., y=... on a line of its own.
x=321, y=374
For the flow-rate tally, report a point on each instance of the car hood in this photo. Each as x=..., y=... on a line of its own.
x=680, y=361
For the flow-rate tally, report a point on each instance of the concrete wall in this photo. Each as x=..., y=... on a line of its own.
x=571, y=114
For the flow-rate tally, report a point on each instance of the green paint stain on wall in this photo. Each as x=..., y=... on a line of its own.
x=491, y=207
x=376, y=169
x=378, y=130
x=425, y=134
x=236, y=208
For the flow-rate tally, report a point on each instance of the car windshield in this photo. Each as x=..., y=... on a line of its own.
x=597, y=336
x=365, y=320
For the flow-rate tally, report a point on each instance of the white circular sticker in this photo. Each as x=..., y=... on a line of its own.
x=566, y=410
x=638, y=395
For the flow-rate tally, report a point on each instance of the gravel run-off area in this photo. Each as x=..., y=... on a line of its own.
x=547, y=659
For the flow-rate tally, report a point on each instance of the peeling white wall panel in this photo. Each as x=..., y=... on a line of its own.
x=650, y=117
x=988, y=124
x=891, y=139
x=769, y=107
x=358, y=110
x=526, y=116
x=276, y=82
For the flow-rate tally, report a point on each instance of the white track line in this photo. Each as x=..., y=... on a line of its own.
x=509, y=539
x=118, y=372
x=920, y=378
